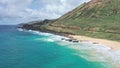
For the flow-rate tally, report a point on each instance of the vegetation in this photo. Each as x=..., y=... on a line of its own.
x=100, y=19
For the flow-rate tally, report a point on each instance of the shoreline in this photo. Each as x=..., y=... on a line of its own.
x=109, y=53
x=114, y=45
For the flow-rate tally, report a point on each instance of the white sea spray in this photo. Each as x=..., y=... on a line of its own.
x=87, y=50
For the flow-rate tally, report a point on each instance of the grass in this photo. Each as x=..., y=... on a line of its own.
x=99, y=20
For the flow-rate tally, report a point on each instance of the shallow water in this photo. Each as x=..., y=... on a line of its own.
x=31, y=49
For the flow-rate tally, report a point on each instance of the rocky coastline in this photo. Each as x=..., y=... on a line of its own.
x=35, y=25
x=72, y=37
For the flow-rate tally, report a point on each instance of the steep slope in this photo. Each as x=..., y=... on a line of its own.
x=97, y=18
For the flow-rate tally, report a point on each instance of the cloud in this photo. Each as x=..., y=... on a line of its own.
x=19, y=11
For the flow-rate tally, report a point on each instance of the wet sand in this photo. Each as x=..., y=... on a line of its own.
x=112, y=44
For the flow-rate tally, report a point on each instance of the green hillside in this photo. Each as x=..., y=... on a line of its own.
x=100, y=19
x=97, y=18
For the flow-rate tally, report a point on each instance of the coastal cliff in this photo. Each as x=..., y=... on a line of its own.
x=97, y=18
x=35, y=25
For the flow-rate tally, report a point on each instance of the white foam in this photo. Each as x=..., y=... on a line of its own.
x=35, y=32
x=51, y=38
x=20, y=29
x=88, y=50
x=45, y=39
x=95, y=52
x=99, y=53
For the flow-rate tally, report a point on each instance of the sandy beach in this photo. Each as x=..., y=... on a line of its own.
x=112, y=44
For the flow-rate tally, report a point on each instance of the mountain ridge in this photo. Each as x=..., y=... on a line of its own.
x=97, y=18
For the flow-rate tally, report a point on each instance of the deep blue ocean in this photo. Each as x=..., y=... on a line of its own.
x=20, y=49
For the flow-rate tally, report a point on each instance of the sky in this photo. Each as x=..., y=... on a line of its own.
x=22, y=11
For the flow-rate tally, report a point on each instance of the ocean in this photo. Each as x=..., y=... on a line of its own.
x=31, y=49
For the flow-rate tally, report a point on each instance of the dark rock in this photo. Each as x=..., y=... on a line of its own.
x=62, y=38
x=34, y=25
x=70, y=40
x=75, y=41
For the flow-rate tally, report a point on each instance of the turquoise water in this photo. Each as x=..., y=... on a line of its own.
x=20, y=49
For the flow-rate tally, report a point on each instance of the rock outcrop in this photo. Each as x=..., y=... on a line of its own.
x=35, y=25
